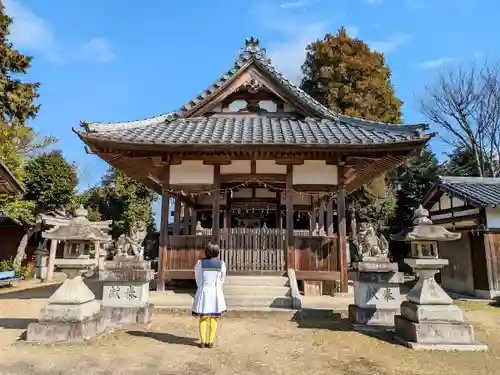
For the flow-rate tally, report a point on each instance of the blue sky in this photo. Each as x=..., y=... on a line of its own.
x=124, y=60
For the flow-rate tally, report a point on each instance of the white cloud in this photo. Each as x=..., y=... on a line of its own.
x=297, y=4
x=31, y=31
x=431, y=64
x=98, y=49
x=289, y=55
x=391, y=44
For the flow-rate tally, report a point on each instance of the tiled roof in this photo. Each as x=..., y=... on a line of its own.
x=328, y=127
x=259, y=129
x=481, y=191
x=8, y=183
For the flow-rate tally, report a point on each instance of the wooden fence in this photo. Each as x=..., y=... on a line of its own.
x=253, y=250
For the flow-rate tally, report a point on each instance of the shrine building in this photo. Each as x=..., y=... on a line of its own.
x=257, y=166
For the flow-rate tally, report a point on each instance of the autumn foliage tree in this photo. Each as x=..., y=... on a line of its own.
x=348, y=77
x=345, y=75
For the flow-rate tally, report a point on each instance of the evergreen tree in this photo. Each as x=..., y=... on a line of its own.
x=121, y=199
x=345, y=75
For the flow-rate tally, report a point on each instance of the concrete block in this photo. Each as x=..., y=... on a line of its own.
x=372, y=316
x=433, y=332
x=126, y=294
x=50, y=332
x=422, y=313
x=119, y=316
x=69, y=313
x=371, y=295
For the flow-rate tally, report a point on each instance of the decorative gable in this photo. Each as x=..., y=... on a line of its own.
x=254, y=86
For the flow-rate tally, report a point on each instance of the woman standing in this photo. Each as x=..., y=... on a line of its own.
x=209, y=303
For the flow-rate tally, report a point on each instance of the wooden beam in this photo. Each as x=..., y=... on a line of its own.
x=317, y=275
x=289, y=161
x=289, y=214
x=216, y=206
x=329, y=218
x=194, y=220
x=177, y=216
x=162, y=254
x=269, y=178
x=342, y=237
x=279, y=219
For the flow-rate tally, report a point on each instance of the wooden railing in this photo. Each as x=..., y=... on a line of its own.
x=184, y=251
x=253, y=250
x=318, y=255
x=256, y=251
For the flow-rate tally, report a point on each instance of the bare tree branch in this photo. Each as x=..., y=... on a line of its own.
x=465, y=103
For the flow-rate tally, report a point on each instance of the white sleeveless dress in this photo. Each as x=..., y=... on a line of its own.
x=209, y=299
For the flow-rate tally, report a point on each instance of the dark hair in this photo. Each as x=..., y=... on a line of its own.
x=212, y=251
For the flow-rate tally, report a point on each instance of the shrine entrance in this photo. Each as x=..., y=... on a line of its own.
x=253, y=250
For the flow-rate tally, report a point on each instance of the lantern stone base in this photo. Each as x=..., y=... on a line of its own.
x=377, y=295
x=436, y=335
x=118, y=316
x=72, y=314
x=125, y=298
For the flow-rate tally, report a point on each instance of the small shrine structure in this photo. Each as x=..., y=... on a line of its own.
x=261, y=165
x=82, y=244
x=429, y=320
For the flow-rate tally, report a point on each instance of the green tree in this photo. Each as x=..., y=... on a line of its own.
x=49, y=184
x=345, y=75
x=461, y=162
x=412, y=181
x=121, y=199
x=17, y=103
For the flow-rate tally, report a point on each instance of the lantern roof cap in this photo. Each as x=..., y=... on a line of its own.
x=424, y=230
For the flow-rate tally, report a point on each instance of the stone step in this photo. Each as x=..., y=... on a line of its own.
x=256, y=290
x=255, y=301
x=256, y=280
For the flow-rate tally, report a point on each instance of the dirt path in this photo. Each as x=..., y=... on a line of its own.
x=250, y=346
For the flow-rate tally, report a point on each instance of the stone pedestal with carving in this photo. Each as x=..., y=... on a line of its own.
x=377, y=295
x=73, y=314
x=429, y=319
x=125, y=299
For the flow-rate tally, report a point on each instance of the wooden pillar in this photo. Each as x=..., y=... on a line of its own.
x=329, y=218
x=279, y=219
x=163, y=248
x=342, y=237
x=227, y=212
x=52, y=259
x=321, y=214
x=312, y=217
x=216, y=206
x=290, y=254
x=194, y=220
x=177, y=216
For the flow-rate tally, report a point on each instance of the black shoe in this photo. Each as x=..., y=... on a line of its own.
x=210, y=345
x=203, y=345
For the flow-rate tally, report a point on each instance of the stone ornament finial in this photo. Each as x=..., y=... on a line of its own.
x=421, y=216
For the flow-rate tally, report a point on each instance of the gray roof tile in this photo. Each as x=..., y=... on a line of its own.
x=257, y=129
x=482, y=191
x=327, y=128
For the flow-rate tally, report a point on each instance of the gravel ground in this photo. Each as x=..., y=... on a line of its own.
x=261, y=346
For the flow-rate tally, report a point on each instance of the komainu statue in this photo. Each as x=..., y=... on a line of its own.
x=372, y=247
x=131, y=245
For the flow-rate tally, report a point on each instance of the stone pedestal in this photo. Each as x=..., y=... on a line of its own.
x=377, y=295
x=429, y=320
x=125, y=299
x=73, y=314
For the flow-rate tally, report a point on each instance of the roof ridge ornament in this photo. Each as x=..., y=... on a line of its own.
x=253, y=49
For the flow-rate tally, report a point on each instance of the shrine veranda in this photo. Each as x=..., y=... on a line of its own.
x=257, y=166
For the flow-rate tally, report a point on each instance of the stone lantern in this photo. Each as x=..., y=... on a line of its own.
x=429, y=319
x=73, y=313
x=81, y=239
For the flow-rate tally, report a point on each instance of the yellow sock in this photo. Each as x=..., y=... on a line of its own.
x=213, y=329
x=203, y=330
